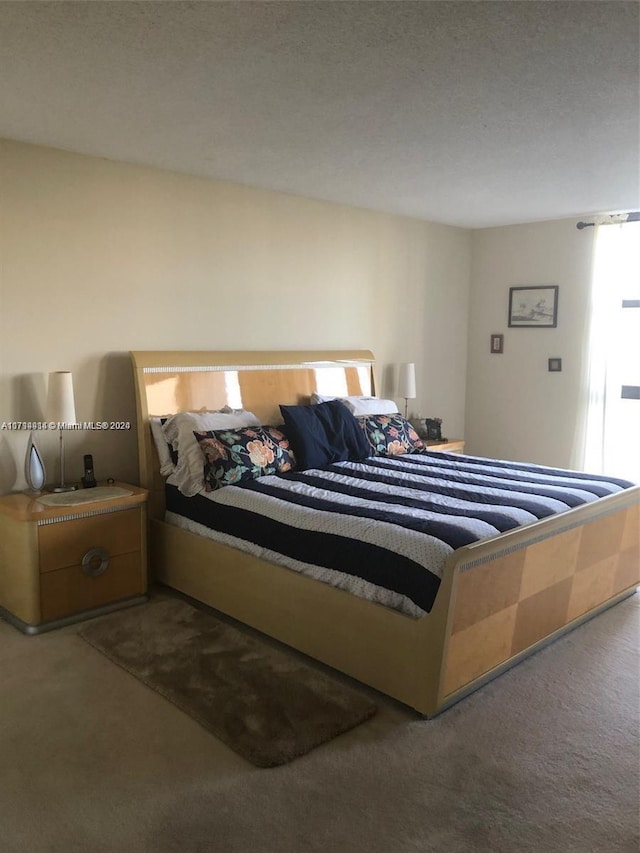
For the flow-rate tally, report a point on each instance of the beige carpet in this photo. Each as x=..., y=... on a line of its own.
x=266, y=704
x=544, y=759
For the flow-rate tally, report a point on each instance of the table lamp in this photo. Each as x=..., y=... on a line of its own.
x=61, y=410
x=407, y=384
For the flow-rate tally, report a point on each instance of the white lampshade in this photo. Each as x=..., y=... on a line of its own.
x=61, y=407
x=407, y=381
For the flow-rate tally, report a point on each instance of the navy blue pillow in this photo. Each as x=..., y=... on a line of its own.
x=322, y=434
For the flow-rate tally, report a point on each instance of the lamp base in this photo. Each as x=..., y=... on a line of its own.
x=61, y=488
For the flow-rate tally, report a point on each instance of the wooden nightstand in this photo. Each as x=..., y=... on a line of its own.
x=451, y=445
x=65, y=563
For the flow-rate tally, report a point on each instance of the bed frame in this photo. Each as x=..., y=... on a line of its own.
x=499, y=601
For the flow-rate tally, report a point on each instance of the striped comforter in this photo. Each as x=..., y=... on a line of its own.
x=383, y=528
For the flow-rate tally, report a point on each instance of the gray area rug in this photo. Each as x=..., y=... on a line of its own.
x=267, y=705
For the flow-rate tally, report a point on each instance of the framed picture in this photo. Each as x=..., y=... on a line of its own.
x=534, y=307
x=555, y=365
x=497, y=343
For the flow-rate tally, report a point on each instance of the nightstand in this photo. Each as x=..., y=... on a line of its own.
x=451, y=445
x=60, y=564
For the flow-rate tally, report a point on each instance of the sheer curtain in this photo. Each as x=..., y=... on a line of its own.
x=612, y=435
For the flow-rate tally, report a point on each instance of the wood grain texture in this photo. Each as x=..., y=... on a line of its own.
x=544, y=587
x=65, y=544
x=488, y=589
x=19, y=569
x=70, y=590
x=452, y=445
x=479, y=647
x=550, y=561
x=22, y=506
x=600, y=539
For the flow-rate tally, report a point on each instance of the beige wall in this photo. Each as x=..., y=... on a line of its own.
x=98, y=258
x=516, y=409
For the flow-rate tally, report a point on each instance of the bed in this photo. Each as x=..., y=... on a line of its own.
x=498, y=599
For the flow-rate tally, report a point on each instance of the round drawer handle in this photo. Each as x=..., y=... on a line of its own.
x=95, y=562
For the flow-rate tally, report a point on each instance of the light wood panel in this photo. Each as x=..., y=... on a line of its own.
x=452, y=445
x=70, y=590
x=19, y=569
x=65, y=544
x=23, y=506
x=511, y=603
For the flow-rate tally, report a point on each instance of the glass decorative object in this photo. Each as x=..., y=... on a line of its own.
x=34, y=471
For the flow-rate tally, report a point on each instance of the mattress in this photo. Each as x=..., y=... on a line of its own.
x=383, y=528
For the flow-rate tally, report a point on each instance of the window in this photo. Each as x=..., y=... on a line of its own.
x=613, y=419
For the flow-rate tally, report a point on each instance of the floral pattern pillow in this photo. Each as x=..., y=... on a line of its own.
x=243, y=454
x=391, y=435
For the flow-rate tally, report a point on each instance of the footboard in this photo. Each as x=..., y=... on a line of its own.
x=511, y=595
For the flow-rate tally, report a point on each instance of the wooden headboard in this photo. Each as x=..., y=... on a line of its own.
x=175, y=381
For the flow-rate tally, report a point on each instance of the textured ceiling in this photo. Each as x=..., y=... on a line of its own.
x=468, y=113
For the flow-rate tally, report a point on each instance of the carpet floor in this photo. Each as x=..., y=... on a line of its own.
x=266, y=704
x=544, y=759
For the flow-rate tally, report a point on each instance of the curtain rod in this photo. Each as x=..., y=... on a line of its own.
x=612, y=219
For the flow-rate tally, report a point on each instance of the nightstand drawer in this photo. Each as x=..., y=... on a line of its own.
x=71, y=590
x=66, y=542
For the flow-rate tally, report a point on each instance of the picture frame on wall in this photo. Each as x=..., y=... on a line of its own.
x=533, y=307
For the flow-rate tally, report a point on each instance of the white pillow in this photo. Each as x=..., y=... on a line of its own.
x=178, y=431
x=361, y=405
x=166, y=462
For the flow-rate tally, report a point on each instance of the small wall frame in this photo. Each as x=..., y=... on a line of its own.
x=555, y=365
x=534, y=307
x=497, y=343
